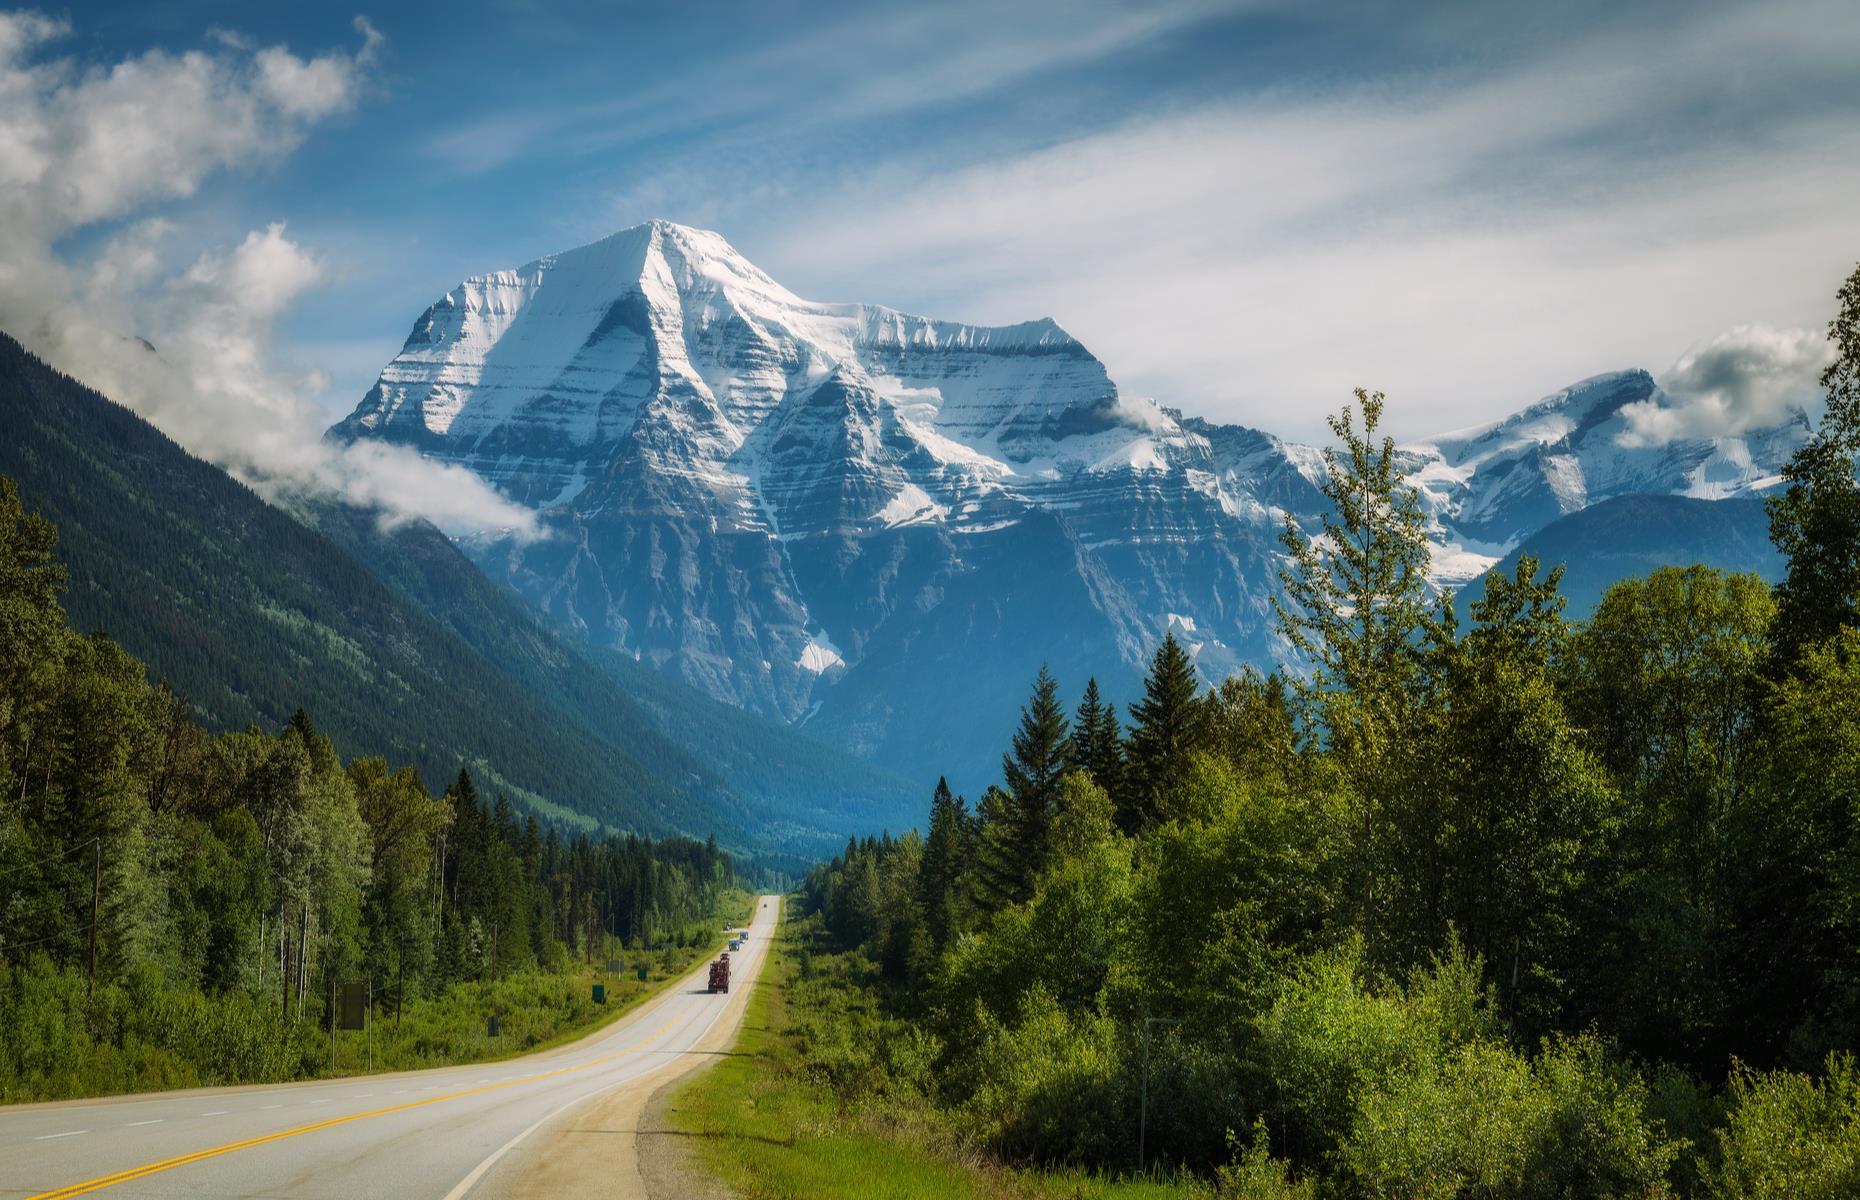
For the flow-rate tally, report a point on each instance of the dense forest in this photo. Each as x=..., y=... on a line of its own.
x=175, y=906
x=1506, y=906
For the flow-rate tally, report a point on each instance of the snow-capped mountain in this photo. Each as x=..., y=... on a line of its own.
x=880, y=525
x=1491, y=486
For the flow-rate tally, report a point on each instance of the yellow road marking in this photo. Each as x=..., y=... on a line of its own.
x=181, y=1160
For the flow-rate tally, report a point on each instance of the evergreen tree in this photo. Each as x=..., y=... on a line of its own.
x=1031, y=772
x=1097, y=748
x=943, y=865
x=1815, y=523
x=996, y=876
x=1167, y=726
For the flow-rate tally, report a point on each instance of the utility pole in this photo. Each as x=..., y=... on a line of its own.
x=1143, y=1110
x=96, y=891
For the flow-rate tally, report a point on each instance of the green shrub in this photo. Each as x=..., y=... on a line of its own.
x=1051, y=1087
x=1329, y=1038
x=1485, y=1121
x=1256, y=1175
x=1791, y=1137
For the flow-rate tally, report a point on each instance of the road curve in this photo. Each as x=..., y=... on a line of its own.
x=442, y=1133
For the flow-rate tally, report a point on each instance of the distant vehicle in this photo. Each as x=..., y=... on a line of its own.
x=736, y=945
x=720, y=974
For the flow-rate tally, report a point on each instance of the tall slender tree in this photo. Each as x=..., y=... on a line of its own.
x=1815, y=523
x=1096, y=746
x=940, y=876
x=1167, y=726
x=1031, y=771
x=1355, y=608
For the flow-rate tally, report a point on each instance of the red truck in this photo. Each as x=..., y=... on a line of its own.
x=720, y=974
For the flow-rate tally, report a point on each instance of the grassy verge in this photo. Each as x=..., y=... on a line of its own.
x=536, y=1010
x=58, y=1043
x=768, y=1129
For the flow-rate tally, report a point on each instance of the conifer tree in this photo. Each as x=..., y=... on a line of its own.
x=1031, y=771
x=943, y=864
x=1166, y=727
x=995, y=880
x=1096, y=748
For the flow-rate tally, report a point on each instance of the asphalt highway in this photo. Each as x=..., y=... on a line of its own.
x=442, y=1133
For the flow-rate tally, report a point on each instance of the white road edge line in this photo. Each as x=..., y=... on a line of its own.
x=46, y=1137
x=465, y=1185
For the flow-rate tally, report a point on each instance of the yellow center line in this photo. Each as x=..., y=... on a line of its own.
x=181, y=1160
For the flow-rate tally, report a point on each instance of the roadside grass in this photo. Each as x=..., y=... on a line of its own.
x=58, y=1043
x=767, y=1131
x=536, y=1010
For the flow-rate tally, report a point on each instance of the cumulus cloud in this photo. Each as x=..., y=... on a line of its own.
x=84, y=149
x=1746, y=378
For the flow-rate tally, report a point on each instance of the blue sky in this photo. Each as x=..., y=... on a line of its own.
x=1243, y=208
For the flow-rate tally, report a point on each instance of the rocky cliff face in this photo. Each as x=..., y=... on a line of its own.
x=880, y=525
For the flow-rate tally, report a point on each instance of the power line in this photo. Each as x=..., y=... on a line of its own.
x=85, y=844
x=9, y=947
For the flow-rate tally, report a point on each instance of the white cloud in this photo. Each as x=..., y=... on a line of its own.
x=314, y=88
x=1746, y=378
x=1466, y=242
x=84, y=148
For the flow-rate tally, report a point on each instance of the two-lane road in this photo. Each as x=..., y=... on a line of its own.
x=436, y=1134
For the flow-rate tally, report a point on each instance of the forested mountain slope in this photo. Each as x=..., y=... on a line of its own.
x=796, y=788
x=249, y=613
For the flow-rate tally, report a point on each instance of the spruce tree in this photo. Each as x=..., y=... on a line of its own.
x=1166, y=727
x=1031, y=772
x=995, y=881
x=943, y=863
x=1096, y=748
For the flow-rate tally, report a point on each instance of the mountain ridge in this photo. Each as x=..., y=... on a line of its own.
x=772, y=497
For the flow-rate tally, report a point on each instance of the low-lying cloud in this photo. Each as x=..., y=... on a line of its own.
x=1750, y=377
x=82, y=149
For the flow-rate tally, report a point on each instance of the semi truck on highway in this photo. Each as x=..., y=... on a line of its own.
x=720, y=974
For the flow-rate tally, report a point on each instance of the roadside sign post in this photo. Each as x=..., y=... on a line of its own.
x=1143, y=1109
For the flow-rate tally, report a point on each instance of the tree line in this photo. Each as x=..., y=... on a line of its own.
x=139, y=850
x=1513, y=905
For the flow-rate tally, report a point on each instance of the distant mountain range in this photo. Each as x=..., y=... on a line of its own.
x=1635, y=534
x=397, y=644
x=877, y=526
